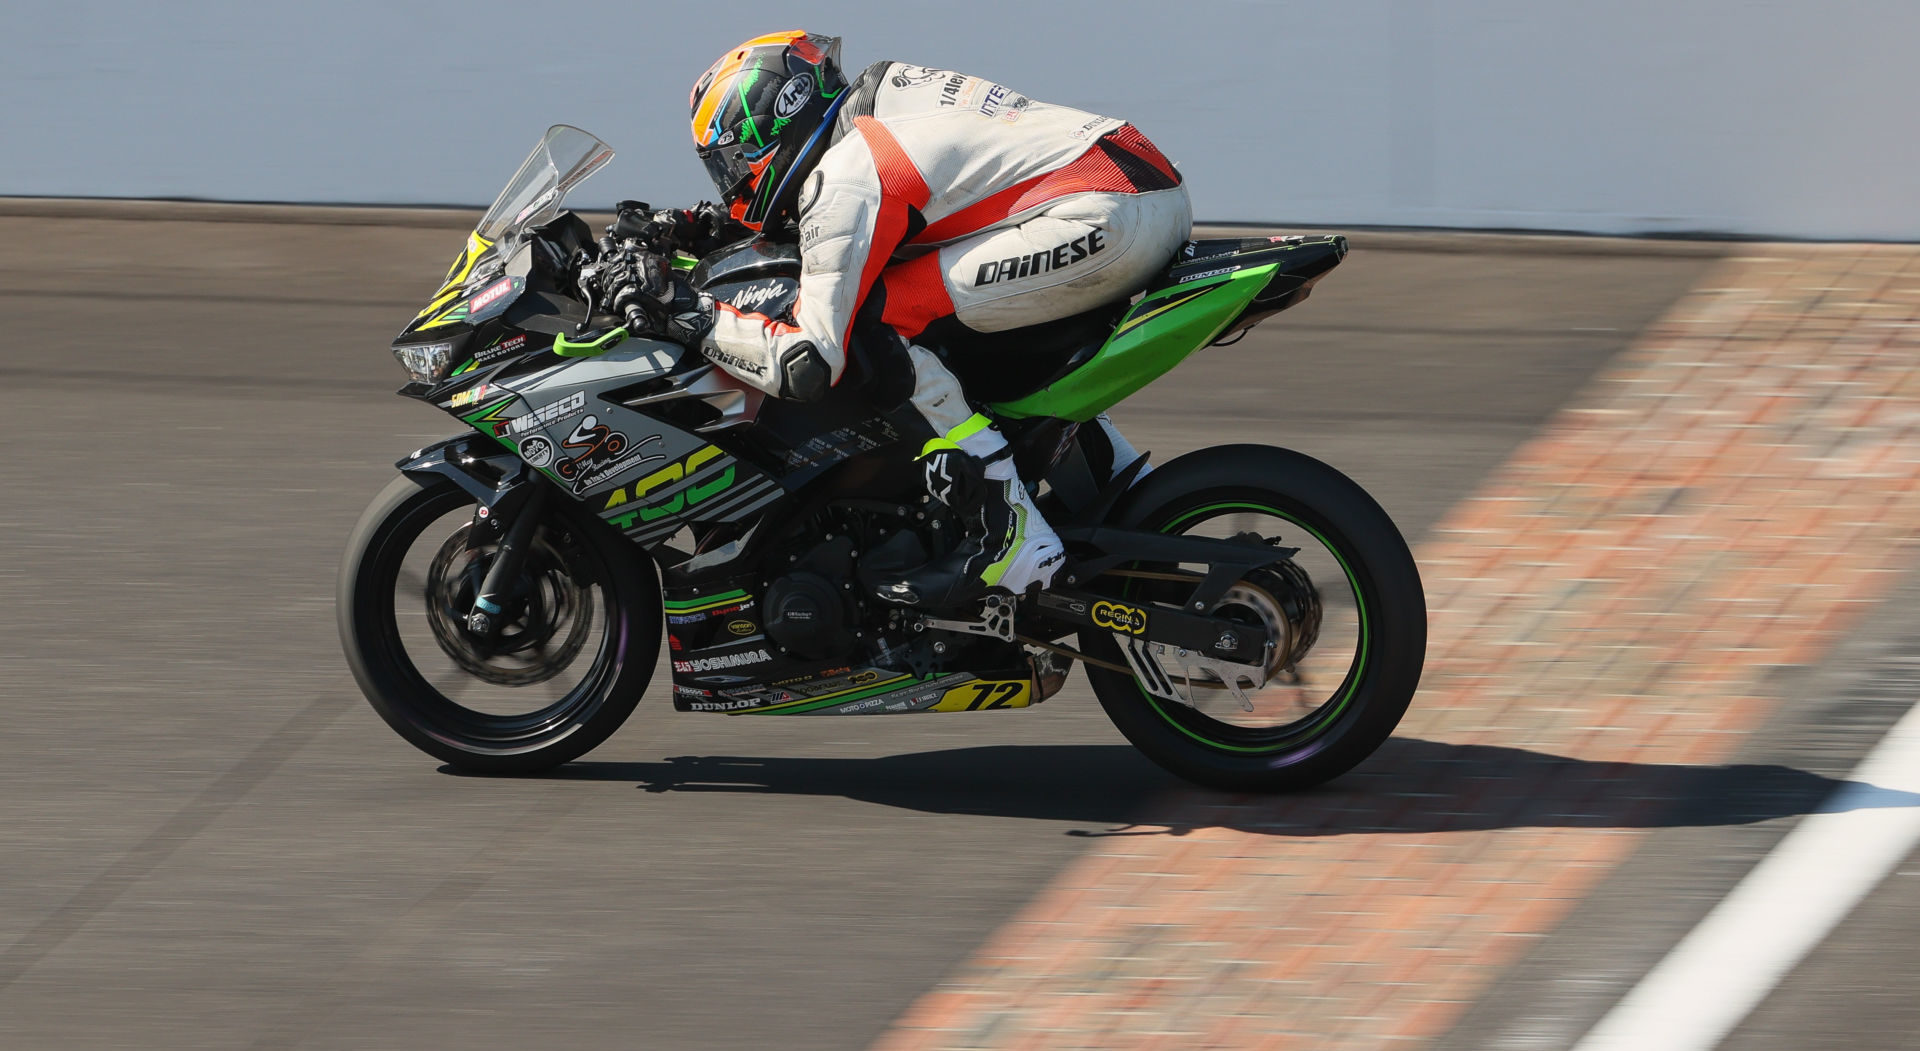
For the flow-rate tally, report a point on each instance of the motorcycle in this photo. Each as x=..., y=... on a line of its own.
x=1248, y=617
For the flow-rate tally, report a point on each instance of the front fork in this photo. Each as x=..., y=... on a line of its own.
x=511, y=498
x=496, y=590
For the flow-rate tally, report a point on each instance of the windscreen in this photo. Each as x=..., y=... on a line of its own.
x=564, y=159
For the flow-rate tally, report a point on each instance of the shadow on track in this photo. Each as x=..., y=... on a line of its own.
x=1410, y=785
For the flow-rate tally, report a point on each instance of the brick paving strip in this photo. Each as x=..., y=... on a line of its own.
x=1725, y=498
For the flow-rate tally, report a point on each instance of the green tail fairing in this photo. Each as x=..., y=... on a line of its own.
x=1157, y=334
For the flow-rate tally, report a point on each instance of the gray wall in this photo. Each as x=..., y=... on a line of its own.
x=1787, y=118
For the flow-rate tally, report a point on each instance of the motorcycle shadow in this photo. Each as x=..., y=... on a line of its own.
x=1409, y=785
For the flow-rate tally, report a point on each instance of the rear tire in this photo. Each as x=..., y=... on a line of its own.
x=477, y=741
x=1392, y=623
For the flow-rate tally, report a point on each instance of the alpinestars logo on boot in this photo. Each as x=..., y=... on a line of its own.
x=1021, y=266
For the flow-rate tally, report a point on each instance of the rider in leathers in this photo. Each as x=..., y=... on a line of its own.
x=923, y=198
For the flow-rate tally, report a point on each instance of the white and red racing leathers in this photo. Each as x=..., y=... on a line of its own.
x=945, y=195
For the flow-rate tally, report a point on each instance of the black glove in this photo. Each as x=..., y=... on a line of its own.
x=687, y=314
x=628, y=280
x=697, y=231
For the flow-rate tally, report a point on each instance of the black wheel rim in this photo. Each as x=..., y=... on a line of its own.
x=1296, y=738
x=444, y=717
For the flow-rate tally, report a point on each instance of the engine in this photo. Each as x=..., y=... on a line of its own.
x=811, y=611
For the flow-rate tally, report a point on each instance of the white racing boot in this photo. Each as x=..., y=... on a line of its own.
x=1008, y=544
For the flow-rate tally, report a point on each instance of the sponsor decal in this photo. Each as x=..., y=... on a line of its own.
x=1207, y=273
x=797, y=92
x=1188, y=251
x=547, y=415
x=492, y=294
x=908, y=76
x=999, y=97
x=959, y=90
x=603, y=454
x=504, y=348
x=722, y=706
x=694, y=692
x=1094, y=128
x=1126, y=619
x=861, y=706
x=863, y=678
x=686, y=618
x=537, y=451
x=723, y=662
x=742, y=627
x=1090, y=243
x=468, y=397
x=734, y=362
x=753, y=297
x=690, y=496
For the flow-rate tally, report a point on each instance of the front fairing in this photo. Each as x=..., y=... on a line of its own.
x=484, y=279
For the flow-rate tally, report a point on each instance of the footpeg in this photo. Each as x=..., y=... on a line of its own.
x=996, y=620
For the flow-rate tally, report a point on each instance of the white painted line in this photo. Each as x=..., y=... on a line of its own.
x=1785, y=906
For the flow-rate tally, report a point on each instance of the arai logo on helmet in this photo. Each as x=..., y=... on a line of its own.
x=793, y=96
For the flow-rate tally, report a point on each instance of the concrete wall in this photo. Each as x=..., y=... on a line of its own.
x=1744, y=116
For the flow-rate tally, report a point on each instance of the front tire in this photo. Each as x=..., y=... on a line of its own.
x=381, y=586
x=1368, y=689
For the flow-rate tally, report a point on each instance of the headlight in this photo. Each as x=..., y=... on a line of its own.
x=425, y=362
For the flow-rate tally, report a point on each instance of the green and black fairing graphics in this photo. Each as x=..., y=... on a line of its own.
x=642, y=475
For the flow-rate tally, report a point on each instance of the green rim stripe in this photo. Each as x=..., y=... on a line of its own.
x=695, y=605
x=1359, y=599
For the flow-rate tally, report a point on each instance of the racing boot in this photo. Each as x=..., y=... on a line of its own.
x=1007, y=545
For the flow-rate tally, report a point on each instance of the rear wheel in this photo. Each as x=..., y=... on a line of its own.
x=577, y=648
x=1345, y=618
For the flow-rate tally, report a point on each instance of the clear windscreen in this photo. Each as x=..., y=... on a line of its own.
x=562, y=160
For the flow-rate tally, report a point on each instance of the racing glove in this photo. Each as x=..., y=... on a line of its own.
x=697, y=231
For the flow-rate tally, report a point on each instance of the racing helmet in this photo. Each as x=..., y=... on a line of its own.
x=760, y=120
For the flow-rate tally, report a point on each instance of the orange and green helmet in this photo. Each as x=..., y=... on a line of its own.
x=761, y=117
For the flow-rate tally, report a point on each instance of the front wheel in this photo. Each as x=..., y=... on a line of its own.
x=1345, y=616
x=580, y=638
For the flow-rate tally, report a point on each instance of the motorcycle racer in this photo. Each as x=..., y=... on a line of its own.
x=927, y=199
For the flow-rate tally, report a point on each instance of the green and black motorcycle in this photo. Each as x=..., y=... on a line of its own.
x=1249, y=617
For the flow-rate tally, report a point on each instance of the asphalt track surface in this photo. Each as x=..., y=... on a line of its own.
x=211, y=841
